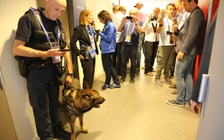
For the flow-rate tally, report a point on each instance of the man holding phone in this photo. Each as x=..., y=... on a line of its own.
x=165, y=53
x=131, y=30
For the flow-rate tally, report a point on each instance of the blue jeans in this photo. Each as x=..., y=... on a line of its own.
x=183, y=74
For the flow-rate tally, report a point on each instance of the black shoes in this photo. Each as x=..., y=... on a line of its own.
x=59, y=132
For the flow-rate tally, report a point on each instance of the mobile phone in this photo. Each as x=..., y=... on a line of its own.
x=128, y=17
x=175, y=21
x=63, y=50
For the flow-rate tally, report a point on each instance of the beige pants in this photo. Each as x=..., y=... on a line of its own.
x=165, y=56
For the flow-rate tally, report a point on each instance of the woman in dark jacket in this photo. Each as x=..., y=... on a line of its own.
x=85, y=34
x=108, y=46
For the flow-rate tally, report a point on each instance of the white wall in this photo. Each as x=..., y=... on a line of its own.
x=15, y=85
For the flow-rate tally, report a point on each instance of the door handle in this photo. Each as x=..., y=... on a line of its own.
x=1, y=79
x=203, y=88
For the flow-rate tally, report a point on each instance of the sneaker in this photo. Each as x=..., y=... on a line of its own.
x=173, y=86
x=187, y=104
x=153, y=70
x=122, y=80
x=158, y=82
x=174, y=92
x=132, y=80
x=143, y=67
x=137, y=69
x=150, y=74
x=173, y=103
x=60, y=133
x=105, y=86
x=114, y=85
x=167, y=80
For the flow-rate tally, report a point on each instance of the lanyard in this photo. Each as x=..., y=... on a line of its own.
x=132, y=27
x=182, y=16
x=47, y=36
x=168, y=24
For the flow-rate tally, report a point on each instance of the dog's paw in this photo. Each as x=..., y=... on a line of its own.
x=84, y=130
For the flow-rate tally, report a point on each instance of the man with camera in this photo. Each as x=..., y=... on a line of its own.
x=165, y=53
x=131, y=31
x=151, y=40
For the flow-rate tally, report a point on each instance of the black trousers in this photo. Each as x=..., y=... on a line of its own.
x=109, y=69
x=117, y=58
x=88, y=67
x=43, y=97
x=150, y=55
x=128, y=52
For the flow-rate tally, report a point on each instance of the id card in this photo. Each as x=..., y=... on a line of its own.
x=92, y=52
x=92, y=42
x=55, y=46
x=128, y=38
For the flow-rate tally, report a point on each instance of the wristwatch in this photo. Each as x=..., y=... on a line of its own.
x=70, y=74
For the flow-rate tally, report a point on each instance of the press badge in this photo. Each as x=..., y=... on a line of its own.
x=128, y=38
x=92, y=52
x=92, y=42
x=55, y=46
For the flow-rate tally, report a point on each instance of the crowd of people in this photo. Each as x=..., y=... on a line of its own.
x=170, y=36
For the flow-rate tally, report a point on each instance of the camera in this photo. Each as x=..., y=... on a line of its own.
x=153, y=18
x=169, y=33
x=128, y=17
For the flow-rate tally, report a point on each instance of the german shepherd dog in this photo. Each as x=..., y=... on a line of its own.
x=77, y=102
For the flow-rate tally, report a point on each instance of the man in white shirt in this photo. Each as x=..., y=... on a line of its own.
x=165, y=53
x=151, y=40
x=117, y=18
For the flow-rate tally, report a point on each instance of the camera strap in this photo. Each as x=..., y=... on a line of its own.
x=154, y=29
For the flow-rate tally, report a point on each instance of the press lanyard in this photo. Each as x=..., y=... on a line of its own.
x=168, y=24
x=182, y=16
x=132, y=27
x=47, y=36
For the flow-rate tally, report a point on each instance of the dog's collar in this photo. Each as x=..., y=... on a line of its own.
x=70, y=108
x=74, y=110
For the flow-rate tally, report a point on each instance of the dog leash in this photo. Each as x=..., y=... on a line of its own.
x=70, y=100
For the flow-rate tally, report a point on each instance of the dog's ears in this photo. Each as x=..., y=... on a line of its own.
x=86, y=85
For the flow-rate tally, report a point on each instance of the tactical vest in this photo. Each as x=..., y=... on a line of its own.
x=38, y=38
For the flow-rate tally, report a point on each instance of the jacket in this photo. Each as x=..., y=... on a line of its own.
x=189, y=35
x=108, y=38
x=80, y=34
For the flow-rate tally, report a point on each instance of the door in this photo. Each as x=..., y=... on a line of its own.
x=7, y=130
x=211, y=124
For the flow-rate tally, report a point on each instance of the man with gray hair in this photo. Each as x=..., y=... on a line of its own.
x=131, y=30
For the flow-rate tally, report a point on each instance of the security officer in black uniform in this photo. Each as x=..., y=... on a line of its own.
x=39, y=37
